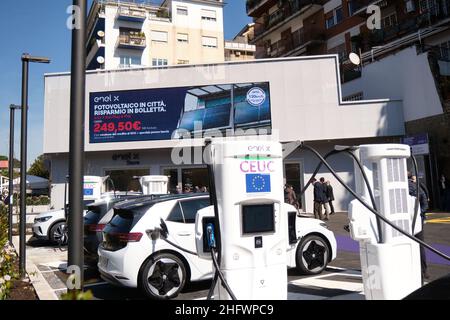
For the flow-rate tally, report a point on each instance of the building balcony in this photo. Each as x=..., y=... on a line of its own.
x=131, y=14
x=233, y=45
x=286, y=11
x=253, y=6
x=404, y=27
x=298, y=40
x=134, y=40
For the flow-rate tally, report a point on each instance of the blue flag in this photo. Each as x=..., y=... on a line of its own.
x=257, y=183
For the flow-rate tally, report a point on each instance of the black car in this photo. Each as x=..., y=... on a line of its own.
x=93, y=226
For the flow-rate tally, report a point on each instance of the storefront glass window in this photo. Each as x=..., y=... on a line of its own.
x=194, y=179
x=173, y=179
x=293, y=178
x=124, y=180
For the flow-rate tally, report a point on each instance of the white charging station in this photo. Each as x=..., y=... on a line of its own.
x=154, y=184
x=249, y=187
x=93, y=187
x=390, y=261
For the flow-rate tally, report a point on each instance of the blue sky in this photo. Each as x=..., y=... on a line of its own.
x=39, y=28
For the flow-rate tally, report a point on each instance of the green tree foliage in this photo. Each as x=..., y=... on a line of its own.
x=38, y=168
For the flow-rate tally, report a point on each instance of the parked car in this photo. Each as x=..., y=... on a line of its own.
x=51, y=225
x=128, y=257
x=98, y=215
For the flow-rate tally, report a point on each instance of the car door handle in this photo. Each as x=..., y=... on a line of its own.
x=184, y=233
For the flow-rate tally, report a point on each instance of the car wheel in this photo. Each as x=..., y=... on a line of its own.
x=312, y=255
x=58, y=233
x=163, y=276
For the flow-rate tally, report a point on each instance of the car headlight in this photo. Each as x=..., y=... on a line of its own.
x=324, y=225
x=43, y=219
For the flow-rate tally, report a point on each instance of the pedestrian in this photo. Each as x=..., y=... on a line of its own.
x=444, y=193
x=423, y=201
x=319, y=198
x=325, y=199
x=291, y=196
x=330, y=196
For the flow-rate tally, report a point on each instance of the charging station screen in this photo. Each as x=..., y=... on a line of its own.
x=258, y=218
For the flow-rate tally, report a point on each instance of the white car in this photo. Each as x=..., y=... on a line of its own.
x=128, y=257
x=51, y=225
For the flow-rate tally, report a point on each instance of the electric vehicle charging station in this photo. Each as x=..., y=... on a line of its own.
x=253, y=233
x=93, y=187
x=390, y=261
x=154, y=184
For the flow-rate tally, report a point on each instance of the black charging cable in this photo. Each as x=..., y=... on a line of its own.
x=348, y=150
x=163, y=234
x=357, y=197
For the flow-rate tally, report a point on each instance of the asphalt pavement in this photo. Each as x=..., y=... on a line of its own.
x=341, y=280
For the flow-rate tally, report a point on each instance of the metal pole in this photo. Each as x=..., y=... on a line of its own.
x=76, y=147
x=11, y=171
x=23, y=166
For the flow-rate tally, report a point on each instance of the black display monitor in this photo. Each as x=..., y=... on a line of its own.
x=258, y=218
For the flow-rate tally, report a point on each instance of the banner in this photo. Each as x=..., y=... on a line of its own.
x=161, y=114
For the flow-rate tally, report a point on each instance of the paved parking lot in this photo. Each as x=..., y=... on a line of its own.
x=341, y=280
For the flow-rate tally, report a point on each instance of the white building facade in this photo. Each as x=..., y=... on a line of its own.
x=124, y=34
x=288, y=99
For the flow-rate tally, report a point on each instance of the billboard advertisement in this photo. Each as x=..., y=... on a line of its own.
x=165, y=113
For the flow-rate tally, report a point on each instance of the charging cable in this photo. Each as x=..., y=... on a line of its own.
x=348, y=151
x=218, y=273
x=163, y=233
x=357, y=197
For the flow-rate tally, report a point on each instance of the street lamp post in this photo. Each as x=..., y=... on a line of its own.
x=12, y=109
x=26, y=59
x=76, y=144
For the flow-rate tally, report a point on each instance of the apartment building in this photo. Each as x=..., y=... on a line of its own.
x=406, y=57
x=124, y=34
x=240, y=49
x=307, y=27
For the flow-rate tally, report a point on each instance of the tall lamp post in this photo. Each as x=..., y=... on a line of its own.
x=76, y=144
x=12, y=109
x=26, y=59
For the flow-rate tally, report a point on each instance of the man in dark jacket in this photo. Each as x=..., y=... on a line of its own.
x=319, y=198
x=330, y=196
x=423, y=200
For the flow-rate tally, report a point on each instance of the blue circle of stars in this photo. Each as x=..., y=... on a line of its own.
x=258, y=183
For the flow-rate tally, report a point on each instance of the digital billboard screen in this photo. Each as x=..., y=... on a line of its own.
x=161, y=114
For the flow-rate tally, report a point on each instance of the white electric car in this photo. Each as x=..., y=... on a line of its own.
x=51, y=225
x=129, y=257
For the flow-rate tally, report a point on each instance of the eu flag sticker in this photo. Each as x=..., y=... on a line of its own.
x=88, y=192
x=257, y=183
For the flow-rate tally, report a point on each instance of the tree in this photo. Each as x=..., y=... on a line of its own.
x=38, y=168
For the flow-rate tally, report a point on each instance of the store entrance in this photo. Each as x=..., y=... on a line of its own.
x=194, y=179
x=187, y=180
x=293, y=172
x=125, y=180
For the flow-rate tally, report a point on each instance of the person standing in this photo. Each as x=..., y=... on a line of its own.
x=443, y=192
x=423, y=200
x=325, y=199
x=330, y=196
x=319, y=198
x=291, y=196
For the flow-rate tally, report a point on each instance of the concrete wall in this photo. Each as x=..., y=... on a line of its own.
x=305, y=100
x=405, y=76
